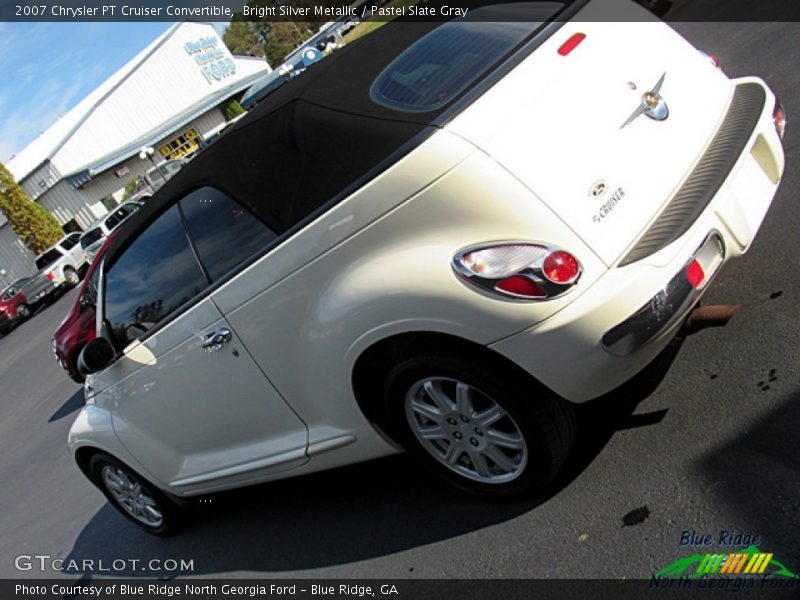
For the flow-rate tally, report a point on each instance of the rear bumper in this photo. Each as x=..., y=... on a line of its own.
x=670, y=305
x=629, y=307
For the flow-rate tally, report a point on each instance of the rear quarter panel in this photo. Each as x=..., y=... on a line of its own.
x=394, y=275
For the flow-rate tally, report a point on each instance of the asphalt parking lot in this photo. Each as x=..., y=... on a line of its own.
x=704, y=441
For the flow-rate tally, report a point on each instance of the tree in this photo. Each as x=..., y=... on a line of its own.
x=232, y=110
x=243, y=39
x=130, y=187
x=36, y=227
x=273, y=37
x=282, y=39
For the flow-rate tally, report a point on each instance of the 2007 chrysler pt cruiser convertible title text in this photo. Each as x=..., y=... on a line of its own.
x=439, y=238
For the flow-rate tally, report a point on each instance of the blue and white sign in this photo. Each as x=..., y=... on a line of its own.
x=215, y=63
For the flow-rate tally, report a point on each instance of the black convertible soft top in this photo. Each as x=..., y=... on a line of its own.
x=313, y=141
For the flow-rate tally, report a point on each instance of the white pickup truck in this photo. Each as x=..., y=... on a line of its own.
x=154, y=179
x=64, y=262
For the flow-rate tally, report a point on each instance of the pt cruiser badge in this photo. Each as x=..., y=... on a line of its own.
x=652, y=105
x=609, y=205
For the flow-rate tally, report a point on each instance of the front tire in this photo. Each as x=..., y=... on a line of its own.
x=136, y=498
x=23, y=313
x=486, y=429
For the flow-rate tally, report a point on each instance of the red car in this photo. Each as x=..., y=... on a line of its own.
x=78, y=327
x=13, y=306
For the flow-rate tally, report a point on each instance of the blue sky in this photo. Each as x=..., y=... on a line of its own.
x=48, y=68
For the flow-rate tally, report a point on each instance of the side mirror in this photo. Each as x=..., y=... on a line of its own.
x=87, y=301
x=96, y=356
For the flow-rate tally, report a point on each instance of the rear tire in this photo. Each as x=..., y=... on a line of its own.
x=135, y=497
x=484, y=428
x=71, y=278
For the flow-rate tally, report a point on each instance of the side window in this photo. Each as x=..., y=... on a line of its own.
x=91, y=287
x=127, y=209
x=155, y=276
x=223, y=232
x=113, y=220
x=69, y=242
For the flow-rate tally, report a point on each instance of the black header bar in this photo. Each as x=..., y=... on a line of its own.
x=322, y=11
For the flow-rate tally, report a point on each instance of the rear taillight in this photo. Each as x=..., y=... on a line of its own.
x=779, y=118
x=521, y=286
x=523, y=271
x=561, y=267
x=51, y=276
x=497, y=262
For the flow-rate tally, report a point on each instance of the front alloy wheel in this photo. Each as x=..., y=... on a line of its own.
x=130, y=495
x=135, y=497
x=466, y=430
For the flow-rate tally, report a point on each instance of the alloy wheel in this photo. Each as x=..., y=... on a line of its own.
x=466, y=430
x=131, y=496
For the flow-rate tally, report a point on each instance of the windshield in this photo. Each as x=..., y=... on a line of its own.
x=48, y=258
x=90, y=237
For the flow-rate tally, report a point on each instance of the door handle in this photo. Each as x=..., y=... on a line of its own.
x=213, y=341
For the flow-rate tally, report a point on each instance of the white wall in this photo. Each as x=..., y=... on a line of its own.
x=65, y=202
x=15, y=258
x=167, y=83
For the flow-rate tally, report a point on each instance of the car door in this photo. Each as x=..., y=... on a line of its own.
x=189, y=402
x=68, y=242
x=111, y=221
x=72, y=248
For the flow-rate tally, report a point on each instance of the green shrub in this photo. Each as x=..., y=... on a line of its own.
x=36, y=227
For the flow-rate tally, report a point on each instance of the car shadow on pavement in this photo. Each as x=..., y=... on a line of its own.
x=72, y=405
x=755, y=477
x=599, y=419
x=335, y=517
x=349, y=514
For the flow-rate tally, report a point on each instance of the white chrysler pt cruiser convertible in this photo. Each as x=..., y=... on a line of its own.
x=439, y=239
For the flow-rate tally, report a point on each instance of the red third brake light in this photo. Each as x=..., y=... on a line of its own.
x=711, y=58
x=561, y=267
x=51, y=276
x=695, y=274
x=571, y=44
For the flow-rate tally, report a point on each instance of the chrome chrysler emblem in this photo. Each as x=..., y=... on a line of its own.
x=598, y=189
x=652, y=105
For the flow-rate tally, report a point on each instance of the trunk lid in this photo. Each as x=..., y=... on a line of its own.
x=556, y=123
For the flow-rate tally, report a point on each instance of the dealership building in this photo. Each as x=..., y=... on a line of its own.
x=170, y=97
